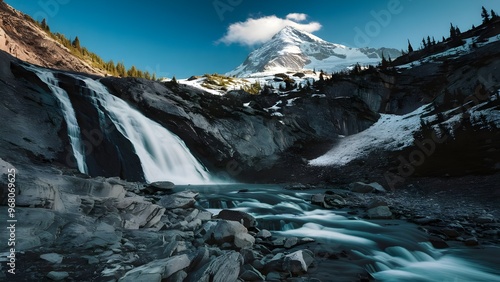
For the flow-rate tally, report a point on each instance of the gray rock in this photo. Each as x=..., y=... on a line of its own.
x=264, y=234
x=472, y=241
x=225, y=231
x=57, y=275
x=379, y=212
x=318, y=199
x=249, y=273
x=243, y=240
x=298, y=262
x=376, y=203
x=225, y=267
x=204, y=215
x=52, y=258
x=242, y=217
x=184, y=199
x=164, y=186
x=291, y=242
x=360, y=187
x=157, y=270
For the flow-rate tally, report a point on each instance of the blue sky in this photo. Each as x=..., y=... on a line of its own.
x=185, y=38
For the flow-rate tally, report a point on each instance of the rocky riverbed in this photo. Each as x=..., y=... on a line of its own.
x=75, y=228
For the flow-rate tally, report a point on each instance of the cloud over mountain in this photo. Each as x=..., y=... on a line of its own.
x=259, y=30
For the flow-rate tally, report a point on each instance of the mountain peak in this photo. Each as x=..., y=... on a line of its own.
x=292, y=49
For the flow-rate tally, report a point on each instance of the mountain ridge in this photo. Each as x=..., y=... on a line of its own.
x=295, y=50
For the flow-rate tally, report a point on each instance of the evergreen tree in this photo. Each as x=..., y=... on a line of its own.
x=444, y=39
x=44, y=25
x=76, y=43
x=485, y=15
x=174, y=80
x=120, y=69
x=457, y=31
x=453, y=32
x=429, y=43
x=433, y=41
x=154, y=77
x=424, y=44
x=473, y=26
x=410, y=48
x=384, y=62
x=493, y=14
x=132, y=72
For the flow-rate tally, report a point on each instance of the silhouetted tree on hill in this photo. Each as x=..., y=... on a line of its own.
x=76, y=43
x=485, y=15
x=410, y=48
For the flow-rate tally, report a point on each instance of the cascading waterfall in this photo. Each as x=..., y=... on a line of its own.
x=163, y=155
x=69, y=116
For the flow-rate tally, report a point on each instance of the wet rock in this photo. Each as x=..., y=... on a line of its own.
x=298, y=262
x=242, y=217
x=264, y=234
x=52, y=258
x=178, y=276
x=318, y=199
x=452, y=233
x=160, y=186
x=157, y=270
x=137, y=213
x=204, y=215
x=472, y=241
x=438, y=243
x=57, y=275
x=225, y=267
x=249, y=273
x=291, y=242
x=225, y=231
x=184, y=199
x=274, y=276
x=379, y=212
x=360, y=187
x=243, y=240
x=335, y=200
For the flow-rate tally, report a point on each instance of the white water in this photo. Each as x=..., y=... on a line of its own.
x=69, y=116
x=163, y=155
x=390, y=250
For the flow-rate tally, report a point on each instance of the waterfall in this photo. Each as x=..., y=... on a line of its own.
x=69, y=116
x=163, y=155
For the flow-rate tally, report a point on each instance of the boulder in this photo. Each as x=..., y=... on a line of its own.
x=161, y=186
x=242, y=217
x=264, y=234
x=52, y=258
x=379, y=212
x=298, y=262
x=249, y=273
x=472, y=241
x=157, y=270
x=57, y=275
x=291, y=242
x=225, y=231
x=243, y=240
x=225, y=267
x=184, y=199
x=318, y=199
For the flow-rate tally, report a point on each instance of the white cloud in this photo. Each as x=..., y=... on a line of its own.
x=298, y=17
x=260, y=30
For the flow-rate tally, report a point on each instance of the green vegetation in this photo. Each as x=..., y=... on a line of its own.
x=218, y=81
x=92, y=58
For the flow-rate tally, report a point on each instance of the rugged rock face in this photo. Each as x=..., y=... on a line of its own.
x=26, y=41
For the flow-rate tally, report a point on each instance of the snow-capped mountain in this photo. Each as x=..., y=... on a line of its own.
x=294, y=50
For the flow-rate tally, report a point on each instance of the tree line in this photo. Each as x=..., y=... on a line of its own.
x=110, y=67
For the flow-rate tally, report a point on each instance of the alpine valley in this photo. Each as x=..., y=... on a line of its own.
x=311, y=161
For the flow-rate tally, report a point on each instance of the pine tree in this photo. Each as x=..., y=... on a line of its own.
x=174, y=80
x=154, y=77
x=485, y=15
x=453, y=32
x=444, y=39
x=132, y=72
x=457, y=31
x=410, y=48
x=493, y=14
x=120, y=69
x=429, y=43
x=76, y=43
x=433, y=41
x=424, y=44
x=44, y=25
